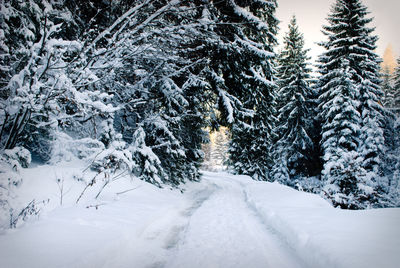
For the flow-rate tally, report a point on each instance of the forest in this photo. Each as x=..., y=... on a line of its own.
x=133, y=87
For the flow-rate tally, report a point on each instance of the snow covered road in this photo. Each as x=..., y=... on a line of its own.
x=223, y=221
x=215, y=228
x=224, y=232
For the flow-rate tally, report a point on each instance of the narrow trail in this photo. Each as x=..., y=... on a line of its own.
x=222, y=230
x=214, y=226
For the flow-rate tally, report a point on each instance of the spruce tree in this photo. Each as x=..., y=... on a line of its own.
x=294, y=147
x=343, y=171
x=396, y=88
x=241, y=74
x=392, y=141
x=219, y=147
x=387, y=88
x=350, y=51
x=390, y=181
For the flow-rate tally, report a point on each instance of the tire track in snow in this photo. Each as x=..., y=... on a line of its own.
x=170, y=230
x=198, y=198
x=153, y=242
x=294, y=245
x=280, y=238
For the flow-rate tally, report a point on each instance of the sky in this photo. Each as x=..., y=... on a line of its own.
x=312, y=14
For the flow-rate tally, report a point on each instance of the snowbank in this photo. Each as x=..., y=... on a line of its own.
x=325, y=236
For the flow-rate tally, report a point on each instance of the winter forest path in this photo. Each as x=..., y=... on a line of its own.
x=220, y=229
x=224, y=221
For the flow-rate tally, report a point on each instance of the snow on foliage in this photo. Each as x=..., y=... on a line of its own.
x=294, y=147
x=129, y=87
x=11, y=163
x=352, y=119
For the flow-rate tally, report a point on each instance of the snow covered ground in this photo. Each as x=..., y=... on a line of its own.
x=223, y=221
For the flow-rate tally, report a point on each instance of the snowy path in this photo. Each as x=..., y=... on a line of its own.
x=215, y=227
x=225, y=221
x=224, y=232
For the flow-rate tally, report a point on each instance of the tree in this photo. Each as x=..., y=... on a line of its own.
x=160, y=85
x=392, y=141
x=53, y=86
x=25, y=55
x=294, y=147
x=219, y=147
x=387, y=88
x=388, y=60
x=396, y=88
x=350, y=52
x=242, y=77
x=343, y=171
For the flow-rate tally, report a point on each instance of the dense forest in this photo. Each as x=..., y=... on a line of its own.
x=130, y=86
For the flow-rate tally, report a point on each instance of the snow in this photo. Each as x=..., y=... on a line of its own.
x=222, y=221
x=329, y=237
x=261, y=25
x=227, y=105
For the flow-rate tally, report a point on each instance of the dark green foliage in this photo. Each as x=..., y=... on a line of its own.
x=295, y=155
x=241, y=75
x=396, y=89
x=351, y=118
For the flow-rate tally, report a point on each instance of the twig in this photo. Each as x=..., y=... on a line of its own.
x=110, y=180
x=102, y=188
x=95, y=206
x=94, y=159
x=93, y=181
x=127, y=190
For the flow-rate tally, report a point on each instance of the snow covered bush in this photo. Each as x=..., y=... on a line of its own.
x=67, y=148
x=113, y=159
x=309, y=184
x=26, y=212
x=148, y=164
x=11, y=163
x=17, y=157
x=348, y=185
x=115, y=156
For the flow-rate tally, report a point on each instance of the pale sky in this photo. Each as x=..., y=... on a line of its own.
x=312, y=14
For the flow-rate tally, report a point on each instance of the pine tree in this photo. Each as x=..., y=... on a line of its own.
x=387, y=88
x=219, y=149
x=294, y=147
x=392, y=142
x=350, y=51
x=241, y=75
x=390, y=182
x=396, y=88
x=343, y=171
